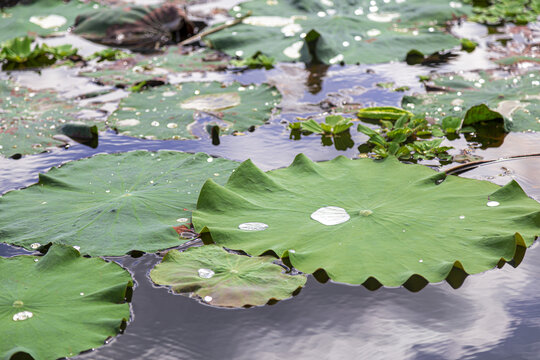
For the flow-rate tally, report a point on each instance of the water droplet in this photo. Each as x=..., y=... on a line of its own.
x=206, y=273
x=43, y=203
x=382, y=17
x=107, y=191
x=492, y=203
x=23, y=315
x=82, y=294
x=462, y=217
x=172, y=125
x=366, y=212
x=212, y=102
x=78, y=248
x=207, y=298
x=35, y=246
x=18, y=304
x=128, y=122
x=210, y=159
x=345, y=44
x=154, y=123
x=420, y=260
x=292, y=251
x=239, y=53
x=48, y=21
x=182, y=220
x=234, y=271
x=403, y=230
x=373, y=32
x=253, y=226
x=330, y=215
x=36, y=260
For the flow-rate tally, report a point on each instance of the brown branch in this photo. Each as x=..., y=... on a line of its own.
x=199, y=36
x=459, y=169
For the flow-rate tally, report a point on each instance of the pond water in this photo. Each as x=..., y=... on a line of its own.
x=493, y=315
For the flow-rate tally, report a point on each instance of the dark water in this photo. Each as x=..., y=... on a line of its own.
x=494, y=315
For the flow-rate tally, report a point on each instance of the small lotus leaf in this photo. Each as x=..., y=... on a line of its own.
x=60, y=304
x=110, y=204
x=224, y=279
x=482, y=97
x=171, y=112
x=339, y=31
x=365, y=219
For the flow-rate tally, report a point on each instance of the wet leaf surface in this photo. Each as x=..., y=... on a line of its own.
x=225, y=279
x=60, y=295
x=401, y=221
x=110, y=204
x=183, y=111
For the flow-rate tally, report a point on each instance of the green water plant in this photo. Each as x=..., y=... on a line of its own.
x=256, y=61
x=333, y=124
x=173, y=111
x=369, y=221
x=495, y=12
x=18, y=53
x=481, y=97
x=60, y=304
x=108, y=54
x=334, y=32
x=403, y=139
x=225, y=279
x=110, y=204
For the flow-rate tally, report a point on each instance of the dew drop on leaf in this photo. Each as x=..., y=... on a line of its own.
x=23, y=315
x=493, y=203
x=330, y=215
x=253, y=226
x=206, y=273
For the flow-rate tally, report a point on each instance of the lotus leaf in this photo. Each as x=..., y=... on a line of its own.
x=514, y=99
x=364, y=220
x=169, y=112
x=336, y=31
x=140, y=68
x=60, y=304
x=224, y=279
x=40, y=17
x=110, y=204
x=29, y=120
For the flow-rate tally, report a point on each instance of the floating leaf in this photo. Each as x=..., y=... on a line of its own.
x=171, y=112
x=382, y=113
x=29, y=120
x=338, y=31
x=496, y=12
x=18, y=53
x=139, y=28
x=60, y=304
x=157, y=66
x=40, y=17
x=483, y=97
x=110, y=204
x=392, y=221
x=224, y=279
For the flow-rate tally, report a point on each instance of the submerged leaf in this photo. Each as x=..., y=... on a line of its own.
x=110, y=204
x=60, y=304
x=224, y=279
x=397, y=220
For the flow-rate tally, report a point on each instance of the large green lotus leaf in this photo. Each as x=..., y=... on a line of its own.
x=110, y=204
x=515, y=98
x=29, y=119
x=40, y=17
x=140, y=68
x=350, y=31
x=224, y=279
x=60, y=304
x=386, y=220
x=167, y=112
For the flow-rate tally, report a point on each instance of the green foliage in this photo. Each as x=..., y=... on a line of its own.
x=108, y=54
x=110, y=204
x=401, y=139
x=257, y=61
x=174, y=111
x=468, y=45
x=30, y=121
x=333, y=124
x=334, y=32
x=497, y=12
x=224, y=279
x=388, y=221
x=391, y=86
x=382, y=113
x=60, y=304
x=482, y=97
x=18, y=53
